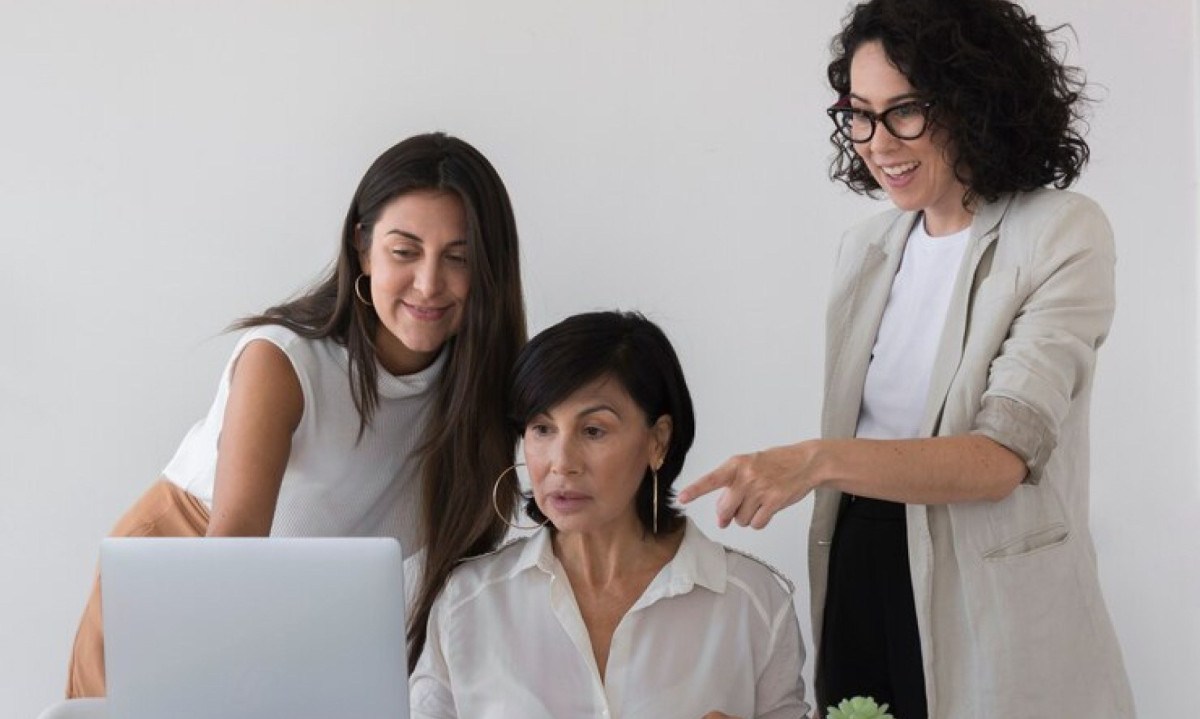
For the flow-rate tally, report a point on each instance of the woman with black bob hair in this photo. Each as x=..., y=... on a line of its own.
x=371, y=404
x=581, y=610
x=951, y=567
x=636, y=354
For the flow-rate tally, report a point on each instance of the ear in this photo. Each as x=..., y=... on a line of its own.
x=661, y=431
x=363, y=244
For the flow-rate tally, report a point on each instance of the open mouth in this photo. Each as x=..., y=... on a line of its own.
x=899, y=170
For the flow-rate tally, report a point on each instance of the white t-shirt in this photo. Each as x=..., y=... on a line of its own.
x=714, y=630
x=897, y=384
x=334, y=485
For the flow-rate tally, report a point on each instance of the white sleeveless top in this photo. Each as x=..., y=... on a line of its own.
x=334, y=484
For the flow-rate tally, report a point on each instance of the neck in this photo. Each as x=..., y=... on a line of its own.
x=940, y=222
x=607, y=557
x=397, y=359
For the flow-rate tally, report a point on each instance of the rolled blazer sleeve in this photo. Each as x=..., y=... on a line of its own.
x=1050, y=351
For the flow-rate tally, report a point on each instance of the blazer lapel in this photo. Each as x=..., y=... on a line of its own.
x=985, y=229
x=853, y=324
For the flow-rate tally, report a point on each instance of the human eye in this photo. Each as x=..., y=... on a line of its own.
x=537, y=429
x=594, y=432
x=906, y=111
x=406, y=252
x=457, y=258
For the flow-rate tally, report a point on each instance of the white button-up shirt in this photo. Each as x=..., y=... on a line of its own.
x=714, y=630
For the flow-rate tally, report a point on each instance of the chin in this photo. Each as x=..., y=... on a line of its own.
x=423, y=341
x=573, y=525
x=906, y=201
x=423, y=346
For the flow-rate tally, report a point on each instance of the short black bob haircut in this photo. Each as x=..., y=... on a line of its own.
x=625, y=347
x=1012, y=111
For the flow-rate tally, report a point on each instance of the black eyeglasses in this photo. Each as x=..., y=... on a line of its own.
x=906, y=121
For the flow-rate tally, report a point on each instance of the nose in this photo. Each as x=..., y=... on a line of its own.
x=564, y=458
x=883, y=139
x=428, y=280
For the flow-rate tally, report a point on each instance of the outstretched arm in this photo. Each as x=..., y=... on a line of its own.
x=1046, y=358
x=917, y=471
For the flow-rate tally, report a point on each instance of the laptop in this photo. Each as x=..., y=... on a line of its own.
x=260, y=628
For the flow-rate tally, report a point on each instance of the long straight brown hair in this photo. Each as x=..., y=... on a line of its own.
x=467, y=441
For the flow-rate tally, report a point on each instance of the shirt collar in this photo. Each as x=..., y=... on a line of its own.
x=391, y=386
x=698, y=561
x=538, y=552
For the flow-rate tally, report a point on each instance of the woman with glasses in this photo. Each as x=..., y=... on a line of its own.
x=951, y=568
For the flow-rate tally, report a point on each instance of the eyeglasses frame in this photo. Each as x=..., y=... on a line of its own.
x=880, y=119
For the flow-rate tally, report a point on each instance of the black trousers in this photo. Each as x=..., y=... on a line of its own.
x=869, y=640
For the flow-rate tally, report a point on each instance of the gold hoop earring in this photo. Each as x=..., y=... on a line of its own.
x=496, y=503
x=654, y=478
x=358, y=293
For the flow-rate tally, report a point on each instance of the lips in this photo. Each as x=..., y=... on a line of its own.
x=426, y=314
x=567, y=501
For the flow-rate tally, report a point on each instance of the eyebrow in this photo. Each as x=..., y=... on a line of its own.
x=417, y=238
x=591, y=409
x=891, y=101
x=596, y=408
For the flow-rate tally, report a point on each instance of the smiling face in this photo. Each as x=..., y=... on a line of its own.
x=587, y=456
x=418, y=267
x=915, y=173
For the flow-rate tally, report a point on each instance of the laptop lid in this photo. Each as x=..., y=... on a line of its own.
x=254, y=627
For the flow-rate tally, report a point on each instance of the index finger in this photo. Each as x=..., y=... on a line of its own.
x=720, y=477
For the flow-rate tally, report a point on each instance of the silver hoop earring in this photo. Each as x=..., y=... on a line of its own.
x=496, y=503
x=358, y=292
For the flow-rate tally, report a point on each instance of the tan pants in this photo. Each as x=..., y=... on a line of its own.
x=164, y=510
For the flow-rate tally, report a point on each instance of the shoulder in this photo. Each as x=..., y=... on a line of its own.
x=303, y=353
x=746, y=577
x=1048, y=201
x=873, y=227
x=1053, y=212
x=1050, y=228
x=756, y=573
x=759, y=586
x=282, y=337
x=474, y=576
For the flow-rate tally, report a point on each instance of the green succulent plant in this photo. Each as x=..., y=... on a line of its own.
x=859, y=708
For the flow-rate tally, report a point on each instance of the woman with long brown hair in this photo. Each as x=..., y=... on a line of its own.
x=373, y=404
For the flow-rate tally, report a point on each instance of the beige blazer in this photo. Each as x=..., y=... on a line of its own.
x=1011, y=618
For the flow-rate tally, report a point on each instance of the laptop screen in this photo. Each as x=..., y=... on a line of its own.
x=254, y=627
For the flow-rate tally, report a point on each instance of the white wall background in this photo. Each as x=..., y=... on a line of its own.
x=167, y=167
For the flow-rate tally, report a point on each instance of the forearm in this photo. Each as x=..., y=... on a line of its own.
x=962, y=468
x=238, y=524
x=936, y=470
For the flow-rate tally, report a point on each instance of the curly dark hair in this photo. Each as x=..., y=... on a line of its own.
x=1011, y=109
